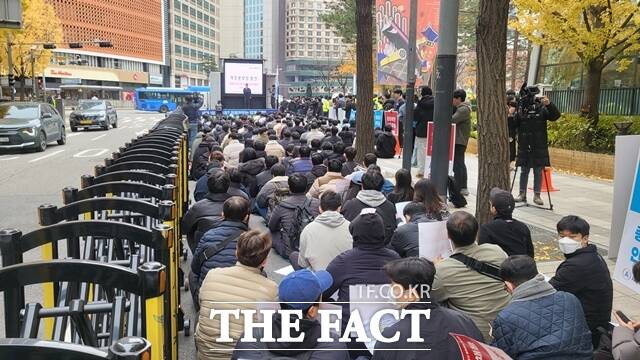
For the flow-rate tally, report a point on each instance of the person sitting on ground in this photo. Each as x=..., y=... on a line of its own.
x=261, y=135
x=283, y=224
x=333, y=138
x=347, y=136
x=277, y=187
x=232, y=150
x=316, y=145
x=200, y=157
x=338, y=153
x=216, y=162
x=403, y=191
x=250, y=166
x=286, y=138
x=511, y=235
x=626, y=336
x=539, y=322
x=210, y=252
x=260, y=148
x=265, y=175
x=274, y=148
x=300, y=290
x=295, y=139
x=406, y=237
x=301, y=164
x=371, y=197
x=386, y=144
x=325, y=238
x=410, y=279
x=242, y=286
x=326, y=150
x=584, y=273
x=314, y=133
x=318, y=170
x=481, y=296
x=236, y=188
x=425, y=192
x=206, y=213
x=371, y=159
x=328, y=181
x=350, y=165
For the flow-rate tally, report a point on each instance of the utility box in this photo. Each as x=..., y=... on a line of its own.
x=10, y=14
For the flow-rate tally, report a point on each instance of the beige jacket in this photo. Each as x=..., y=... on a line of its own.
x=227, y=287
x=232, y=153
x=274, y=148
x=324, y=183
x=476, y=295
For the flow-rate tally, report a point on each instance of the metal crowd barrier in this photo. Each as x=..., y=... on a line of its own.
x=114, y=293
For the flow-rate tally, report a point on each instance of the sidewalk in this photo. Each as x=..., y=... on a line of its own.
x=588, y=198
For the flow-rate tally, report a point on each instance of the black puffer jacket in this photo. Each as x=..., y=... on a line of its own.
x=347, y=137
x=202, y=216
x=283, y=217
x=200, y=160
x=423, y=115
x=249, y=170
x=386, y=146
x=533, y=144
x=405, y=239
x=366, y=199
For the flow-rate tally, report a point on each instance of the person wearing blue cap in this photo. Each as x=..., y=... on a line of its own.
x=300, y=290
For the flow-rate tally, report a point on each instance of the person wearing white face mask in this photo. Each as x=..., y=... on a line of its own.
x=411, y=279
x=584, y=274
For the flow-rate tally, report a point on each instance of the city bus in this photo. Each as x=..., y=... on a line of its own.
x=164, y=99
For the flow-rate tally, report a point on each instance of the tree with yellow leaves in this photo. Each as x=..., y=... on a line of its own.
x=40, y=25
x=598, y=31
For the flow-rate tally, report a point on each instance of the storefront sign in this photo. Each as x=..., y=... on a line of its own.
x=90, y=73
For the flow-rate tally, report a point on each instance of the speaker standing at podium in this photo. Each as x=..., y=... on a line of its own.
x=247, y=96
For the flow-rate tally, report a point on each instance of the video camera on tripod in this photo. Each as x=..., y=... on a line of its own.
x=528, y=98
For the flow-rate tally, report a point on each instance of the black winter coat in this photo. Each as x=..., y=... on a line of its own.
x=347, y=137
x=533, y=144
x=200, y=160
x=585, y=274
x=435, y=332
x=202, y=216
x=423, y=115
x=283, y=217
x=249, y=170
x=263, y=178
x=513, y=236
x=352, y=208
x=386, y=146
x=405, y=239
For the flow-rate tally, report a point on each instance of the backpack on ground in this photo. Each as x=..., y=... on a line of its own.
x=302, y=217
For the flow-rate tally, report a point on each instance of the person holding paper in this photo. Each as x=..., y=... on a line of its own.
x=480, y=295
x=413, y=275
x=406, y=238
x=539, y=322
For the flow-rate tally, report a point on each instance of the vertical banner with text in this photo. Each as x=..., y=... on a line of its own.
x=629, y=252
x=391, y=119
x=429, y=152
x=377, y=119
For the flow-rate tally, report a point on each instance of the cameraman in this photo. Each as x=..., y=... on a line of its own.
x=533, y=149
x=190, y=108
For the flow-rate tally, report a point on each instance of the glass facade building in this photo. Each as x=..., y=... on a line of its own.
x=253, y=29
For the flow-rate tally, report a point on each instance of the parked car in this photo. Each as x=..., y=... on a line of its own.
x=30, y=125
x=93, y=113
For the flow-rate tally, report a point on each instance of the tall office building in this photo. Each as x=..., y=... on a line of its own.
x=263, y=29
x=231, y=28
x=312, y=51
x=195, y=39
x=136, y=29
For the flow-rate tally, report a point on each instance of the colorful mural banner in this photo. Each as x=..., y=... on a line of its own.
x=392, y=19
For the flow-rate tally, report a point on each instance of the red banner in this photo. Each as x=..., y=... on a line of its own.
x=471, y=349
x=391, y=119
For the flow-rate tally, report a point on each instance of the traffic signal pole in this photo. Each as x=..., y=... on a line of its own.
x=407, y=152
x=445, y=83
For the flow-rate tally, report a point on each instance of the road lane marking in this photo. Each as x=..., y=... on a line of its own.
x=90, y=153
x=99, y=137
x=74, y=134
x=3, y=158
x=46, y=156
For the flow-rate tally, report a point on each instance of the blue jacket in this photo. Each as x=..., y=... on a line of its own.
x=226, y=257
x=542, y=323
x=299, y=165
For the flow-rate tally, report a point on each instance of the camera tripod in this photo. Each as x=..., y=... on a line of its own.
x=546, y=183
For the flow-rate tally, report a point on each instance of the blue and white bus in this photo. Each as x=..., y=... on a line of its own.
x=164, y=99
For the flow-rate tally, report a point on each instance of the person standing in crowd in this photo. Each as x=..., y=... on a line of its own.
x=584, y=274
x=349, y=107
x=533, y=145
x=206, y=213
x=302, y=291
x=283, y=220
x=425, y=192
x=513, y=236
x=626, y=336
x=217, y=247
x=328, y=181
x=406, y=237
x=462, y=119
x=386, y=144
x=190, y=109
x=403, y=191
x=408, y=277
x=246, y=92
x=232, y=150
x=340, y=103
x=539, y=322
x=513, y=131
x=480, y=295
x=423, y=115
x=325, y=238
x=371, y=197
x=240, y=286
